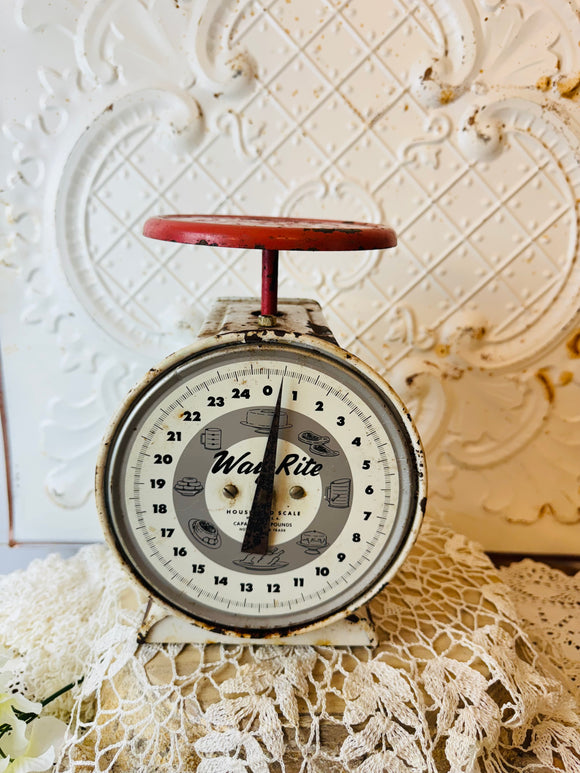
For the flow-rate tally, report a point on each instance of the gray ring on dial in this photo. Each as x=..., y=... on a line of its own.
x=195, y=460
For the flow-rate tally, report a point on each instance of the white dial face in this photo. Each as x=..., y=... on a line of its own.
x=187, y=460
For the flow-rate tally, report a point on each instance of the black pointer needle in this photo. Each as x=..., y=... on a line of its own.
x=258, y=529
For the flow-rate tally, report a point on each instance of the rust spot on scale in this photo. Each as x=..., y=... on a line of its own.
x=573, y=345
x=569, y=88
x=477, y=333
x=546, y=509
x=447, y=95
x=321, y=331
x=544, y=83
x=332, y=230
x=545, y=380
x=206, y=243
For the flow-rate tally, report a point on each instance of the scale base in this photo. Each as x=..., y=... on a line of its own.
x=356, y=630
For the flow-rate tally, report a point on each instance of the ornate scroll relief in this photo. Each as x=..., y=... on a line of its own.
x=452, y=121
x=105, y=193
x=70, y=434
x=350, y=202
x=120, y=129
x=140, y=157
x=506, y=360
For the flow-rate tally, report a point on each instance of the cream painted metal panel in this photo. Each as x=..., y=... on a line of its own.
x=454, y=121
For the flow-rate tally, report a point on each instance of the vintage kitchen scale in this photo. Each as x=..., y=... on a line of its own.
x=262, y=483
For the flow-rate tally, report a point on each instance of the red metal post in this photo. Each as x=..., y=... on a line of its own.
x=269, y=306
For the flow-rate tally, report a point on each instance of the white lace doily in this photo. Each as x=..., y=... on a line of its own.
x=463, y=679
x=548, y=603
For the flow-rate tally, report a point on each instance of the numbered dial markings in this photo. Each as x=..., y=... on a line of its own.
x=182, y=471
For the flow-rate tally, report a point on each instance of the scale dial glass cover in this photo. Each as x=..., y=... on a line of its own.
x=178, y=474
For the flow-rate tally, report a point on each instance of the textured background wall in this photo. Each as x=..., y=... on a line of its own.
x=454, y=121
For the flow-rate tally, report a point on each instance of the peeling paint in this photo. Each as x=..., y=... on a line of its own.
x=546, y=509
x=447, y=95
x=442, y=350
x=573, y=346
x=544, y=83
x=569, y=88
x=545, y=380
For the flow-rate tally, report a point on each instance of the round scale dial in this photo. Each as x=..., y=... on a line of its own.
x=271, y=485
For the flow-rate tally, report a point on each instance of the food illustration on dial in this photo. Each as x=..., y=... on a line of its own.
x=205, y=533
x=314, y=541
x=259, y=488
x=260, y=420
x=338, y=494
x=188, y=486
x=211, y=438
x=317, y=443
x=262, y=562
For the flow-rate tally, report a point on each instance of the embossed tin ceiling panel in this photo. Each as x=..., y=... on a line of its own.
x=454, y=121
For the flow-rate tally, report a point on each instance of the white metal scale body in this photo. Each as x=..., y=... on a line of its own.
x=182, y=462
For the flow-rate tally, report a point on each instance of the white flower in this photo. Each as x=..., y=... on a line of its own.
x=13, y=741
x=28, y=743
x=44, y=739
